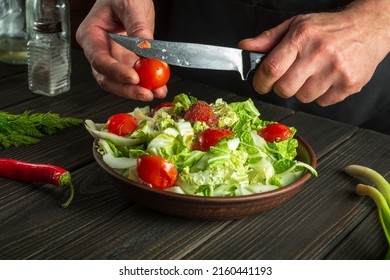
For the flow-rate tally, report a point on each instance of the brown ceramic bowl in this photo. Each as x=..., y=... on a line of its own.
x=209, y=208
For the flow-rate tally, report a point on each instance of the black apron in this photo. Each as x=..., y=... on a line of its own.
x=226, y=22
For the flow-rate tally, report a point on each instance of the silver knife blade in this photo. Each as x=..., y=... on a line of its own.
x=192, y=55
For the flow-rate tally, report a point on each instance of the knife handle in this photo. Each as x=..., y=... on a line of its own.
x=250, y=61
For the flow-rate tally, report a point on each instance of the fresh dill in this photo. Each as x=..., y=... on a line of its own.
x=27, y=128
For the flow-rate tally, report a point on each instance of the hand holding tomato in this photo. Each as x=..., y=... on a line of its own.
x=112, y=65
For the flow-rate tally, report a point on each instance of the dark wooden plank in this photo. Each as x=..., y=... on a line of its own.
x=14, y=90
x=357, y=246
x=7, y=70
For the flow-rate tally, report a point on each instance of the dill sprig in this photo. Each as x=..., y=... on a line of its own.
x=26, y=128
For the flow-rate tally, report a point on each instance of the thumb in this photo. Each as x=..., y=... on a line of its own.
x=267, y=40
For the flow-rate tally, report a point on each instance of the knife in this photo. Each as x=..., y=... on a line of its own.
x=193, y=55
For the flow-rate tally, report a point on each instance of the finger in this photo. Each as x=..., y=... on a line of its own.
x=332, y=96
x=98, y=53
x=313, y=88
x=123, y=89
x=108, y=66
x=160, y=92
x=277, y=61
x=294, y=78
x=122, y=54
x=273, y=67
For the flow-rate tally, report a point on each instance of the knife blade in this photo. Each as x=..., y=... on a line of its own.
x=193, y=55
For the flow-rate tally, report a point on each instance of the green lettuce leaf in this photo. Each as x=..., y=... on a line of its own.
x=183, y=102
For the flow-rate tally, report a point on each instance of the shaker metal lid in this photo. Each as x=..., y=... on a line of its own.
x=47, y=26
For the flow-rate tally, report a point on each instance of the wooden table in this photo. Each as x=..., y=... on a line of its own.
x=326, y=220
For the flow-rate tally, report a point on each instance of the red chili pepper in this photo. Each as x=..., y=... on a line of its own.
x=37, y=173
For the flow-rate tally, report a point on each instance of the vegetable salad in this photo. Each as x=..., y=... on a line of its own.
x=240, y=162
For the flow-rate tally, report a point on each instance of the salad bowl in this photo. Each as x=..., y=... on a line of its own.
x=209, y=208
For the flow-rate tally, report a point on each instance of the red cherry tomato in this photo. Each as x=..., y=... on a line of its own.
x=153, y=73
x=275, y=132
x=201, y=111
x=122, y=124
x=210, y=137
x=156, y=171
x=162, y=105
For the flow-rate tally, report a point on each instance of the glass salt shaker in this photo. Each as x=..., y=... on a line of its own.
x=48, y=59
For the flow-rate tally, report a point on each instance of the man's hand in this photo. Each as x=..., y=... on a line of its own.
x=112, y=65
x=323, y=57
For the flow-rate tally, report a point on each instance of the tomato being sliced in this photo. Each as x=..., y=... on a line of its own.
x=275, y=132
x=122, y=124
x=156, y=171
x=201, y=111
x=153, y=73
x=210, y=137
